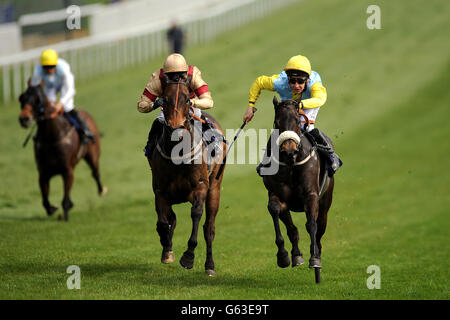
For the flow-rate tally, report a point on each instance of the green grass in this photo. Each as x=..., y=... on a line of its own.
x=387, y=112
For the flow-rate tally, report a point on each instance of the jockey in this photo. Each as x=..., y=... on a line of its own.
x=55, y=73
x=174, y=67
x=297, y=81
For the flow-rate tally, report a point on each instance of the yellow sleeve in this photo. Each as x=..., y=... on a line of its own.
x=318, y=97
x=262, y=82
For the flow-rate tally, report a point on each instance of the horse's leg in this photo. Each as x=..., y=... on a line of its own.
x=324, y=206
x=312, y=212
x=67, y=204
x=165, y=226
x=276, y=208
x=292, y=231
x=92, y=158
x=209, y=229
x=44, y=184
x=187, y=260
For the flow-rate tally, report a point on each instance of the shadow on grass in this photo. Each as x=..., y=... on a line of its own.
x=42, y=217
x=153, y=275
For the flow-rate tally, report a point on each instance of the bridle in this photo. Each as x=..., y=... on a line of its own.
x=195, y=149
x=300, y=113
x=186, y=82
x=39, y=108
x=179, y=83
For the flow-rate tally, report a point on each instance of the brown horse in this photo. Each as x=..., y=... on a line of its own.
x=57, y=146
x=186, y=178
x=301, y=184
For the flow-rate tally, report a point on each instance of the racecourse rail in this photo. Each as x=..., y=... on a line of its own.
x=102, y=53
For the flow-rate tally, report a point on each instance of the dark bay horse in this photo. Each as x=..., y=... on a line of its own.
x=57, y=146
x=186, y=178
x=301, y=184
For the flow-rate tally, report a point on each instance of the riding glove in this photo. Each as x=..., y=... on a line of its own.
x=158, y=103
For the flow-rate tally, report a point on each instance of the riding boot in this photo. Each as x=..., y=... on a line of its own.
x=326, y=149
x=84, y=132
x=153, y=136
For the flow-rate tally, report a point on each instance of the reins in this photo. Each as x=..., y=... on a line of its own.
x=176, y=99
x=53, y=115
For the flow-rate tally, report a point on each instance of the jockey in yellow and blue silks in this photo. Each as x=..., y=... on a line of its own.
x=297, y=81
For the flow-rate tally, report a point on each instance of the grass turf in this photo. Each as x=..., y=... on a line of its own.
x=386, y=111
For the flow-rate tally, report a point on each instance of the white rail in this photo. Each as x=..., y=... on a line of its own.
x=100, y=54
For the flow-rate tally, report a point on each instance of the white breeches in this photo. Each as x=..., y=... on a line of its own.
x=311, y=114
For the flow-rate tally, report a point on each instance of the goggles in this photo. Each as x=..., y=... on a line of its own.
x=299, y=80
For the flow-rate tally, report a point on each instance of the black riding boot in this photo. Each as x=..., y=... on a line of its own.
x=153, y=136
x=84, y=132
x=326, y=149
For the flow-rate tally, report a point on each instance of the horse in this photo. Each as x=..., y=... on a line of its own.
x=301, y=184
x=57, y=146
x=187, y=180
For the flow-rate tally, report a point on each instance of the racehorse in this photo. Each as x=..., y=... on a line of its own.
x=57, y=146
x=187, y=180
x=301, y=184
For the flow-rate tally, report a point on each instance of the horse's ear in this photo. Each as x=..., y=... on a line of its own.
x=275, y=101
x=42, y=84
x=29, y=82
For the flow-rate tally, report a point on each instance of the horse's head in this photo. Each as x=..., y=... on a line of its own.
x=287, y=121
x=176, y=100
x=33, y=105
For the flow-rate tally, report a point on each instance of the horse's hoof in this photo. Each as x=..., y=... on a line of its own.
x=167, y=257
x=297, y=261
x=51, y=210
x=104, y=191
x=210, y=273
x=315, y=263
x=186, y=261
x=60, y=217
x=283, y=260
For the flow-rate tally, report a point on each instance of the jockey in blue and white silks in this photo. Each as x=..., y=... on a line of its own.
x=57, y=78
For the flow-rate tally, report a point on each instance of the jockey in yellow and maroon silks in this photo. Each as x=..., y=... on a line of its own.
x=174, y=66
x=297, y=81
